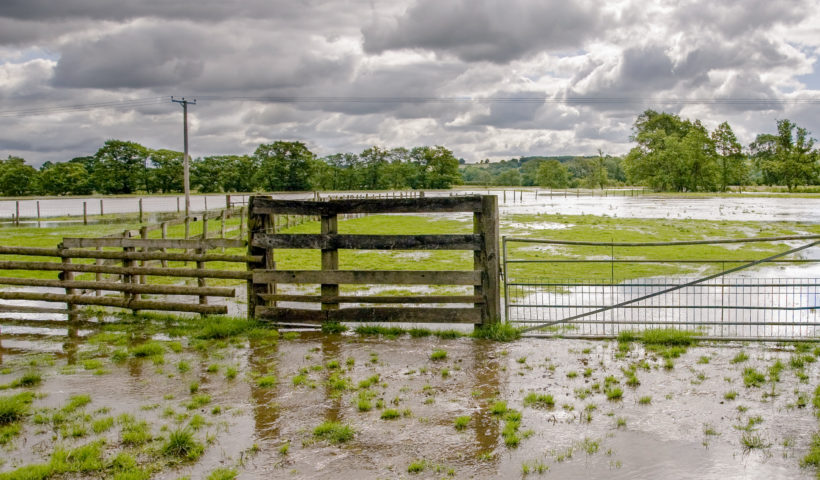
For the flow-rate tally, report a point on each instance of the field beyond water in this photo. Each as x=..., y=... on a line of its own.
x=222, y=399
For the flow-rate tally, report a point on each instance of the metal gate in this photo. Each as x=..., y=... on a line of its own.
x=771, y=298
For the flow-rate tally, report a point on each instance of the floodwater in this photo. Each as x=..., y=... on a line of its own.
x=684, y=427
x=616, y=203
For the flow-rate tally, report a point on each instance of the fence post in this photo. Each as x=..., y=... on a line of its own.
x=144, y=236
x=241, y=222
x=257, y=223
x=98, y=276
x=330, y=260
x=164, y=230
x=102, y=212
x=204, y=224
x=486, y=260
x=68, y=276
x=17, y=215
x=85, y=213
x=228, y=200
x=38, y=213
x=140, y=210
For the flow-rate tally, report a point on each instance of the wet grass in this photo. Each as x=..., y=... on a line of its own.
x=334, y=432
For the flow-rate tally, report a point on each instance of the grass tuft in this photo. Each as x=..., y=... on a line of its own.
x=182, y=445
x=500, y=332
x=334, y=432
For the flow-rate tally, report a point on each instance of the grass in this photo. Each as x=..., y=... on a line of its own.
x=438, y=355
x=266, y=381
x=334, y=432
x=740, y=357
x=182, y=445
x=730, y=395
x=390, y=414
x=500, y=332
x=751, y=441
x=14, y=407
x=614, y=393
x=462, y=422
x=28, y=379
x=539, y=400
x=753, y=378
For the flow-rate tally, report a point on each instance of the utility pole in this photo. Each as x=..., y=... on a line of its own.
x=186, y=177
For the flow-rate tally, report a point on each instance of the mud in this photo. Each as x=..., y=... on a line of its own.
x=664, y=438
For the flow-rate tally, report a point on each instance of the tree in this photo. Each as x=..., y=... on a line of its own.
x=509, y=178
x=672, y=154
x=553, y=174
x=165, y=174
x=120, y=167
x=283, y=166
x=731, y=163
x=373, y=160
x=205, y=173
x=238, y=173
x=787, y=158
x=64, y=178
x=16, y=178
x=438, y=167
x=598, y=176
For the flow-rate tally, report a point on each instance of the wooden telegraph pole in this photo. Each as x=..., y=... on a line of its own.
x=186, y=178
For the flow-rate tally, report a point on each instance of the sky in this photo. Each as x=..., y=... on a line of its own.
x=485, y=78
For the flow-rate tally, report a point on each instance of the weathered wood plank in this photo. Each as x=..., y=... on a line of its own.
x=115, y=302
x=262, y=205
x=158, y=255
x=122, y=242
x=487, y=260
x=369, y=242
x=366, y=277
x=376, y=299
x=29, y=309
x=372, y=314
x=161, y=272
x=121, y=287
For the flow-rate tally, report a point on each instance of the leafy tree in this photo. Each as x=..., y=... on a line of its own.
x=731, y=162
x=672, y=154
x=120, y=167
x=553, y=174
x=598, y=175
x=283, y=166
x=438, y=166
x=64, y=178
x=165, y=174
x=16, y=178
x=509, y=178
x=373, y=161
x=205, y=174
x=238, y=173
x=788, y=157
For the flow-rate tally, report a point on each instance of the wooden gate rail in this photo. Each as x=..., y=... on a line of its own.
x=263, y=240
x=131, y=281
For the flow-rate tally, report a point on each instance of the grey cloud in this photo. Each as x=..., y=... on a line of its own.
x=738, y=18
x=489, y=30
x=140, y=56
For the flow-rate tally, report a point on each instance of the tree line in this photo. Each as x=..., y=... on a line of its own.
x=671, y=154
x=123, y=167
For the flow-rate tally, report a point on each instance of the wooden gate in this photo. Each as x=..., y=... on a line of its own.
x=263, y=299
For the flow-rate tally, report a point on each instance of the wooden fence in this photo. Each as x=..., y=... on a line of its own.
x=263, y=298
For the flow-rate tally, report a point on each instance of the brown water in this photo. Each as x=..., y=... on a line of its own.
x=664, y=439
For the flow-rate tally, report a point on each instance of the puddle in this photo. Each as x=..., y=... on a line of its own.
x=662, y=437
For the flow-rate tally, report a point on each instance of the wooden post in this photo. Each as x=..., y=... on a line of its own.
x=98, y=276
x=144, y=236
x=102, y=212
x=67, y=276
x=206, y=202
x=85, y=213
x=164, y=230
x=258, y=223
x=228, y=200
x=38, y=213
x=241, y=222
x=17, y=215
x=177, y=204
x=204, y=224
x=330, y=260
x=222, y=220
x=140, y=210
x=487, y=260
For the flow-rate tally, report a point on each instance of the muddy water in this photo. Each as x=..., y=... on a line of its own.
x=662, y=439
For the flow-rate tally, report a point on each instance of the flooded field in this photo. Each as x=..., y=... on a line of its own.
x=307, y=405
x=617, y=203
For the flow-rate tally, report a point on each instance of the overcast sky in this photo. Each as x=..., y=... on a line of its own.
x=486, y=78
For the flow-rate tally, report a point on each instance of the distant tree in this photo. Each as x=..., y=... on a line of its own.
x=509, y=178
x=283, y=166
x=372, y=162
x=165, y=174
x=64, y=178
x=553, y=174
x=731, y=162
x=238, y=173
x=598, y=175
x=17, y=178
x=788, y=157
x=438, y=166
x=120, y=167
x=205, y=174
x=672, y=154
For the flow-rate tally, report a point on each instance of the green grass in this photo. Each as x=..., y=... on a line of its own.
x=148, y=349
x=334, y=432
x=645, y=400
x=740, y=357
x=14, y=407
x=267, y=381
x=438, y=354
x=614, y=393
x=222, y=474
x=500, y=332
x=390, y=414
x=333, y=327
x=753, y=378
x=28, y=379
x=462, y=422
x=182, y=445
x=539, y=400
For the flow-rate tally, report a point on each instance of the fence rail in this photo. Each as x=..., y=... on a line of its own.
x=265, y=302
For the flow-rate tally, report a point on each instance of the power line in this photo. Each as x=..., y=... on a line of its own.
x=536, y=100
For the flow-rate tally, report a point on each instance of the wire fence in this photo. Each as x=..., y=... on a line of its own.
x=723, y=305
